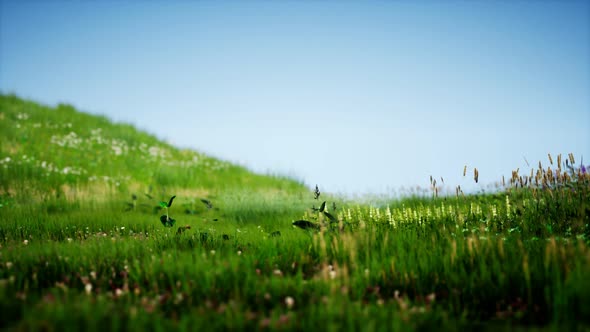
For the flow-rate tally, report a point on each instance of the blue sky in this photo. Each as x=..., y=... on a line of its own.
x=358, y=97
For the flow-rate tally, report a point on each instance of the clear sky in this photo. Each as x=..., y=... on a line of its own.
x=367, y=96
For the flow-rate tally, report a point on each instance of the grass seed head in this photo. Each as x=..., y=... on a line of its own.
x=316, y=192
x=572, y=160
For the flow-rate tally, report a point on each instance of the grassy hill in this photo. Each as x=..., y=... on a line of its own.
x=52, y=150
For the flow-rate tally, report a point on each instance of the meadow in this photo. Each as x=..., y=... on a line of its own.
x=90, y=239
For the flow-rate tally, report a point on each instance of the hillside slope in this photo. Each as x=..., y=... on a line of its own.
x=49, y=148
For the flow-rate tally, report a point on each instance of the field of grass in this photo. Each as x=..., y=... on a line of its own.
x=82, y=245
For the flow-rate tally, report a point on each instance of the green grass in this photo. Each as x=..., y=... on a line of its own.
x=59, y=149
x=77, y=252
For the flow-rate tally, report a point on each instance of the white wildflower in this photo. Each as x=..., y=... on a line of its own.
x=289, y=302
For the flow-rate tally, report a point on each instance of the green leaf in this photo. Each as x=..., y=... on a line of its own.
x=323, y=206
x=171, y=199
x=305, y=224
x=128, y=208
x=163, y=204
x=207, y=203
x=167, y=221
x=331, y=217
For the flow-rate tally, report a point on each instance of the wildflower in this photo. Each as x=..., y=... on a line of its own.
x=289, y=302
x=25, y=242
x=332, y=274
x=117, y=150
x=88, y=288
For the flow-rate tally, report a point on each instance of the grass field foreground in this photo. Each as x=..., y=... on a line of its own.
x=82, y=246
